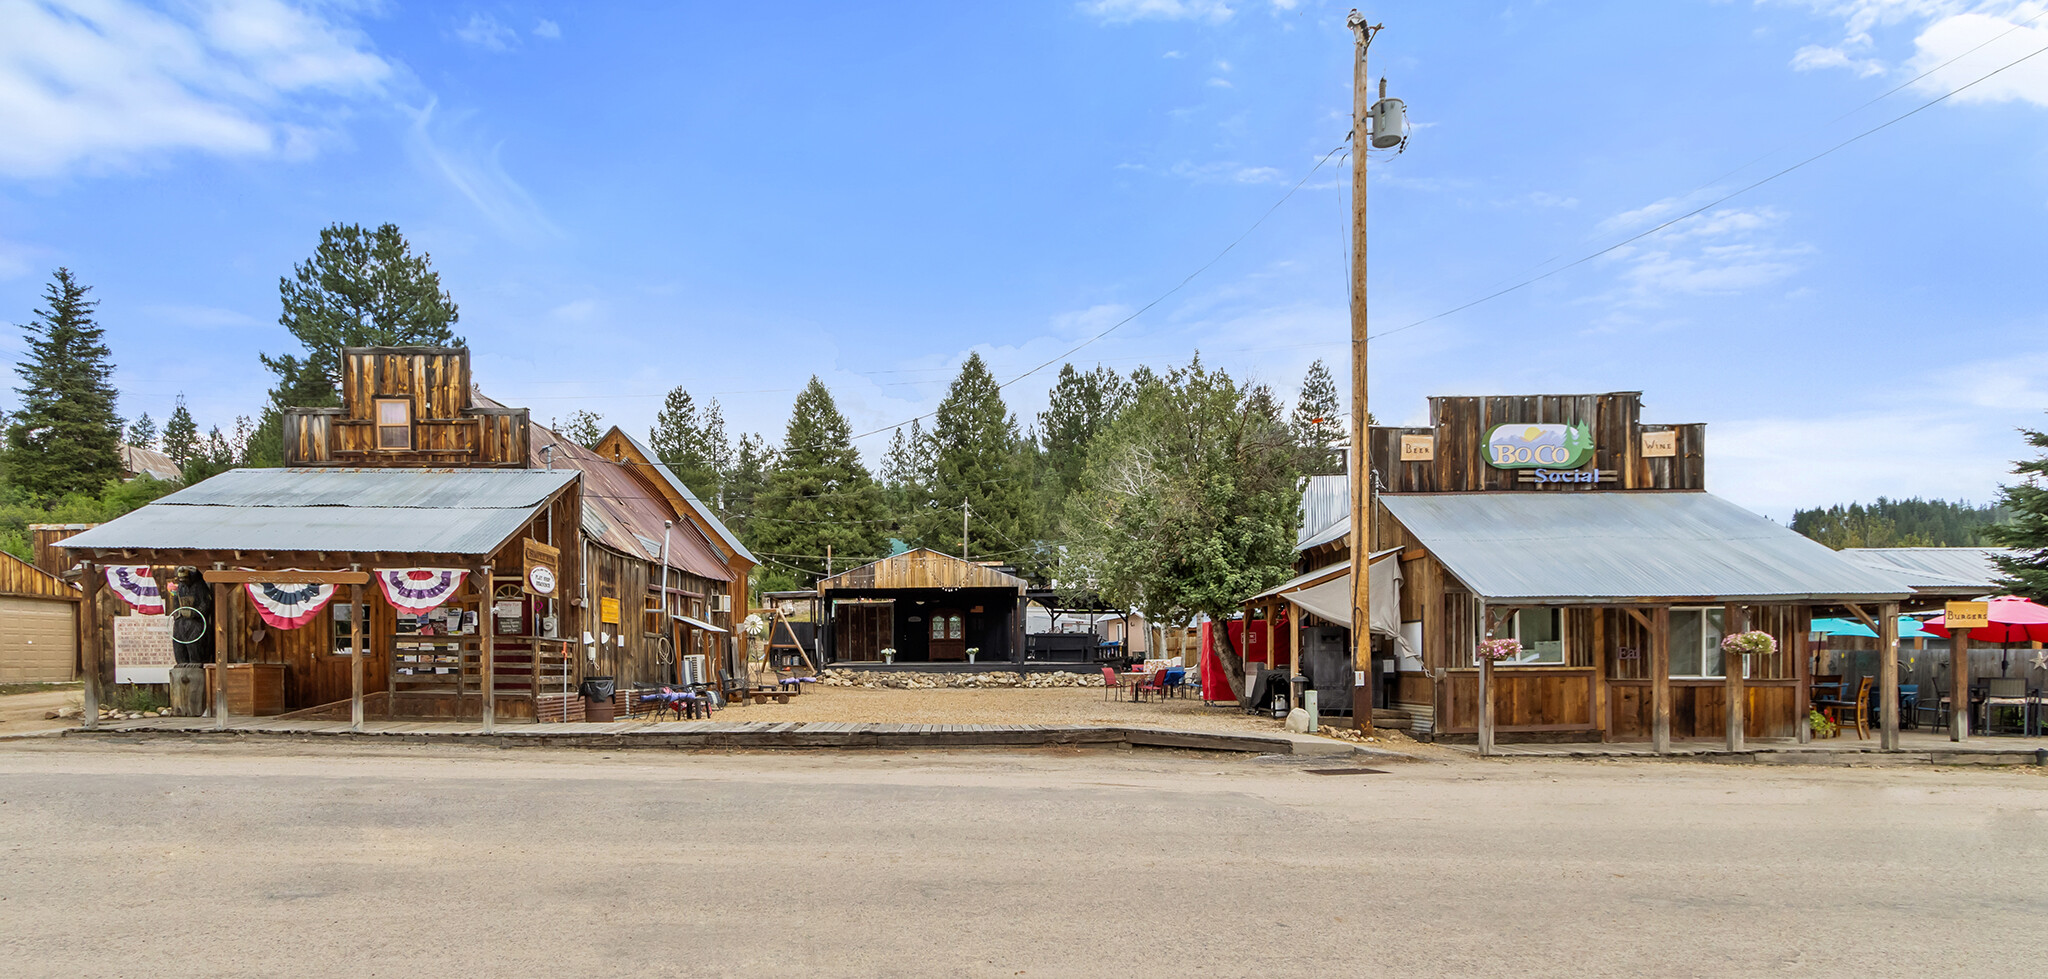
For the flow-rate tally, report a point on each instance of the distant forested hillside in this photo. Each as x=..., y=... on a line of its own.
x=1900, y=523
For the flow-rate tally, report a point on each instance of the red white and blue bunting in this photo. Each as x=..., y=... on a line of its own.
x=290, y=606
x=419, y=590
x=136, y=584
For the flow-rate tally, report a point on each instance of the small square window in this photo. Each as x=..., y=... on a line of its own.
x=394, y=424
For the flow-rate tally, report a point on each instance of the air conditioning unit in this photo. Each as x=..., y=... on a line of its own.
x=696, y=670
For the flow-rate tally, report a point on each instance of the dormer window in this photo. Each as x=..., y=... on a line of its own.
x=394, y=424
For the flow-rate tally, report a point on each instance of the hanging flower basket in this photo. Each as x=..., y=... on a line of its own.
x=1751, y=643
x=1495, y=650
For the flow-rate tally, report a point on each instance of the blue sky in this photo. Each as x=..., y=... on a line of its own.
x=732, y=197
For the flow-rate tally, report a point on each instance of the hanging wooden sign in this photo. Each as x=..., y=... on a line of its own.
x=541, y=568
x=1966, y=615
x=1660, y=445
x=1418, y=448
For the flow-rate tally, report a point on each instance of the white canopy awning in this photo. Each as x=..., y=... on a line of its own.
x=1326, y=593
x=699, y=623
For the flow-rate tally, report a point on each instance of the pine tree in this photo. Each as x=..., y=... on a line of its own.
x=213, y=456
x=743, y=481
x=906, y=475
x=1080, y=407
x=2026, y=572
x=1318, y=423
x=181, y=434
x=65, y=437
x=142, y=432
x=974, y=463
x=361, y=288
x=692, y=446
x=818, y=494
x=584, y=428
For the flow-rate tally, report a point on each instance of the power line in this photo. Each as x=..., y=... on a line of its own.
x=1710, y=204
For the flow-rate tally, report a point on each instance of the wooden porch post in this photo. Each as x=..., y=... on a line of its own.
x=355, y=655
x=1660, y=679
x=1485, y=684
x=488, y=625
x=1958, y=684
x=1888, y=675
x=221, y=596
x=1293, y=640
x=89, y=642
x=1732, y=622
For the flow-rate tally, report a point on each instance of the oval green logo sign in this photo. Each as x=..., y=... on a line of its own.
x=1545, y=446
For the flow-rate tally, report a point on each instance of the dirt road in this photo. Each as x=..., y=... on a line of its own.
x=303, y=861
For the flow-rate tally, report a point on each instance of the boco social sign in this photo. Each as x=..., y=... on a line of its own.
x=1544, y=446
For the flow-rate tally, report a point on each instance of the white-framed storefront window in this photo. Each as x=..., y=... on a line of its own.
x=1696, y=642
x=1541, y=632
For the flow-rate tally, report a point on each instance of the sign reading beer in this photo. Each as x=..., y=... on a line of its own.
x=1967, y=615
x=1544, y=446
x=541, y=562
x=1660, y=445
x=1418, y=448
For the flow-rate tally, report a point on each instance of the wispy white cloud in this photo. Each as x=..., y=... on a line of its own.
x=1220, y=83
x=1226, y=172
x=1718, y=252
x=447, y=149
x=1943, y=29
x=1126, y=11
x=1173, y=54
x=484, y=31
x=111, y=83
x=1815, y=57
x=547, y=29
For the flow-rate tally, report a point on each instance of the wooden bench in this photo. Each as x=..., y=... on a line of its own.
x=760, y=695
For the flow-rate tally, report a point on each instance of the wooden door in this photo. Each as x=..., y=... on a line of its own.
x=948, y=635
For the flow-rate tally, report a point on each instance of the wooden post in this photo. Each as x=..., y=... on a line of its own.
x=1958, y=684
x=1731, y=665
x=487, y=622
x=1802, y=653
x=356, y=633
x=1888, y=675
x=89, y=641
x=222, y=595
x=1485, y=684
x=1359, y=463
x=1660, y=679
x=1293, y=639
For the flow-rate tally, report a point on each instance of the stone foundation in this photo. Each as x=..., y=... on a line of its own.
x=935, y=681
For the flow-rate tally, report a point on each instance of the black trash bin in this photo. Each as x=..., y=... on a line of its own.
x=597, y=699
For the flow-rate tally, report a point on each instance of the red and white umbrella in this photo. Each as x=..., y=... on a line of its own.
x=136, y=584
x=419, y=590
x=2013, y=619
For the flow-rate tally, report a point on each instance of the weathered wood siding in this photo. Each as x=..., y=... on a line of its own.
x=1459, y=426
x=921, y=568
x=448, y=428
x=18, y=577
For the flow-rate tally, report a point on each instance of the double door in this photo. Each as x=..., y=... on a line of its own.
x=948, y=635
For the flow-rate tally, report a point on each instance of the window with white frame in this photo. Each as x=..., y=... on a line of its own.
x=1541, y=633
x=1696, y=642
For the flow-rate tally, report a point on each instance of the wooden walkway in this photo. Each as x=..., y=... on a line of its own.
x=1914, y=747
x=744, y=734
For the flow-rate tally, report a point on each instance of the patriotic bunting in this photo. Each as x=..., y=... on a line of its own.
x=290, y=606
x=137, y=586
x=419, y=590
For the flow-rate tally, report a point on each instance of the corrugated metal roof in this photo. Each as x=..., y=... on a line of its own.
x=1562, y=548
x=1325, y=511
x=710, y=519
x=624, y=513
x=420, y=511
x=1944, y=570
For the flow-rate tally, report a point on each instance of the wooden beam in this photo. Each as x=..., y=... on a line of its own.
x=1660, y=680
x=1641, y=620
x=221, y=597
x=288, y=577
x=1732, y=622
x=1864, y=617
x=89, y=642
x=1485, y=686
x=1888, y=676
x=356, y=633
x=487, y=622
x=1958, y=684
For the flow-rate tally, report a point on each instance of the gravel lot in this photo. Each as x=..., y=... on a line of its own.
x=279, y=859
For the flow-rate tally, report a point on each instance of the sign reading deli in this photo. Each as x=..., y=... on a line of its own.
x=1545, y=446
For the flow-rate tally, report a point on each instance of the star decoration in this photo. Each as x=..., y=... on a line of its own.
x=2041, y=659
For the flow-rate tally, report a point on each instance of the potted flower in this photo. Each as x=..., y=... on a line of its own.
x=1747, y=644
x=889, y=654
x=1495, y=650
x=972, y=651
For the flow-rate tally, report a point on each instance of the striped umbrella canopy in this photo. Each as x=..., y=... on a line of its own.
x=2013, y=619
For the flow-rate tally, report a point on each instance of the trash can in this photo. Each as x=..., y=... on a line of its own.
x=597, y=699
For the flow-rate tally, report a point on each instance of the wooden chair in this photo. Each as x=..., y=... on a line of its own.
x=1857, y=710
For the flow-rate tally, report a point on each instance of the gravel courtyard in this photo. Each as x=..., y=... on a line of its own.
x=269, y=859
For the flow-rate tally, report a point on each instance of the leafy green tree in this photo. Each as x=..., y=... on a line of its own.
x=1188, y=504
x=974, y=450
x=691, y=444
x=1900, y=523
x=142, y=432
x=215, y=455
x=18, y=509
x=1318, y=422
x=585, y=428
x=65, y=436
x=181, y=434
x=361, y=288
x=818, y=494
x=2026, y=572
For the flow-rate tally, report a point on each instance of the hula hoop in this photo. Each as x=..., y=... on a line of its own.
x=202, y=621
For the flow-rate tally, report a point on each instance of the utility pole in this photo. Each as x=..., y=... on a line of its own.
x=965, y=506
x=828, y=560
x=1360, y=467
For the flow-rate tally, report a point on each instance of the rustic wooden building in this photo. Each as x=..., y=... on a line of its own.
x=418, y=474
x=1568, y=524
x=927, y=606
x=38, y=624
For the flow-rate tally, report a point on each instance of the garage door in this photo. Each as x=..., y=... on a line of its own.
x=38, y=641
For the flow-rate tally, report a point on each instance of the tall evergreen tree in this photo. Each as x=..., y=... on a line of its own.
x=65, y=437
x=743, y=481
x=215, y=455
x=1318, y=422
x=2026, y=572
x=906, y=476
x=1081, y=406
x=361, y=288
x=818, y=494
x=142, y=432
x=181, y=434
x=691, y=444
x=584, y=428
x=975, y=463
